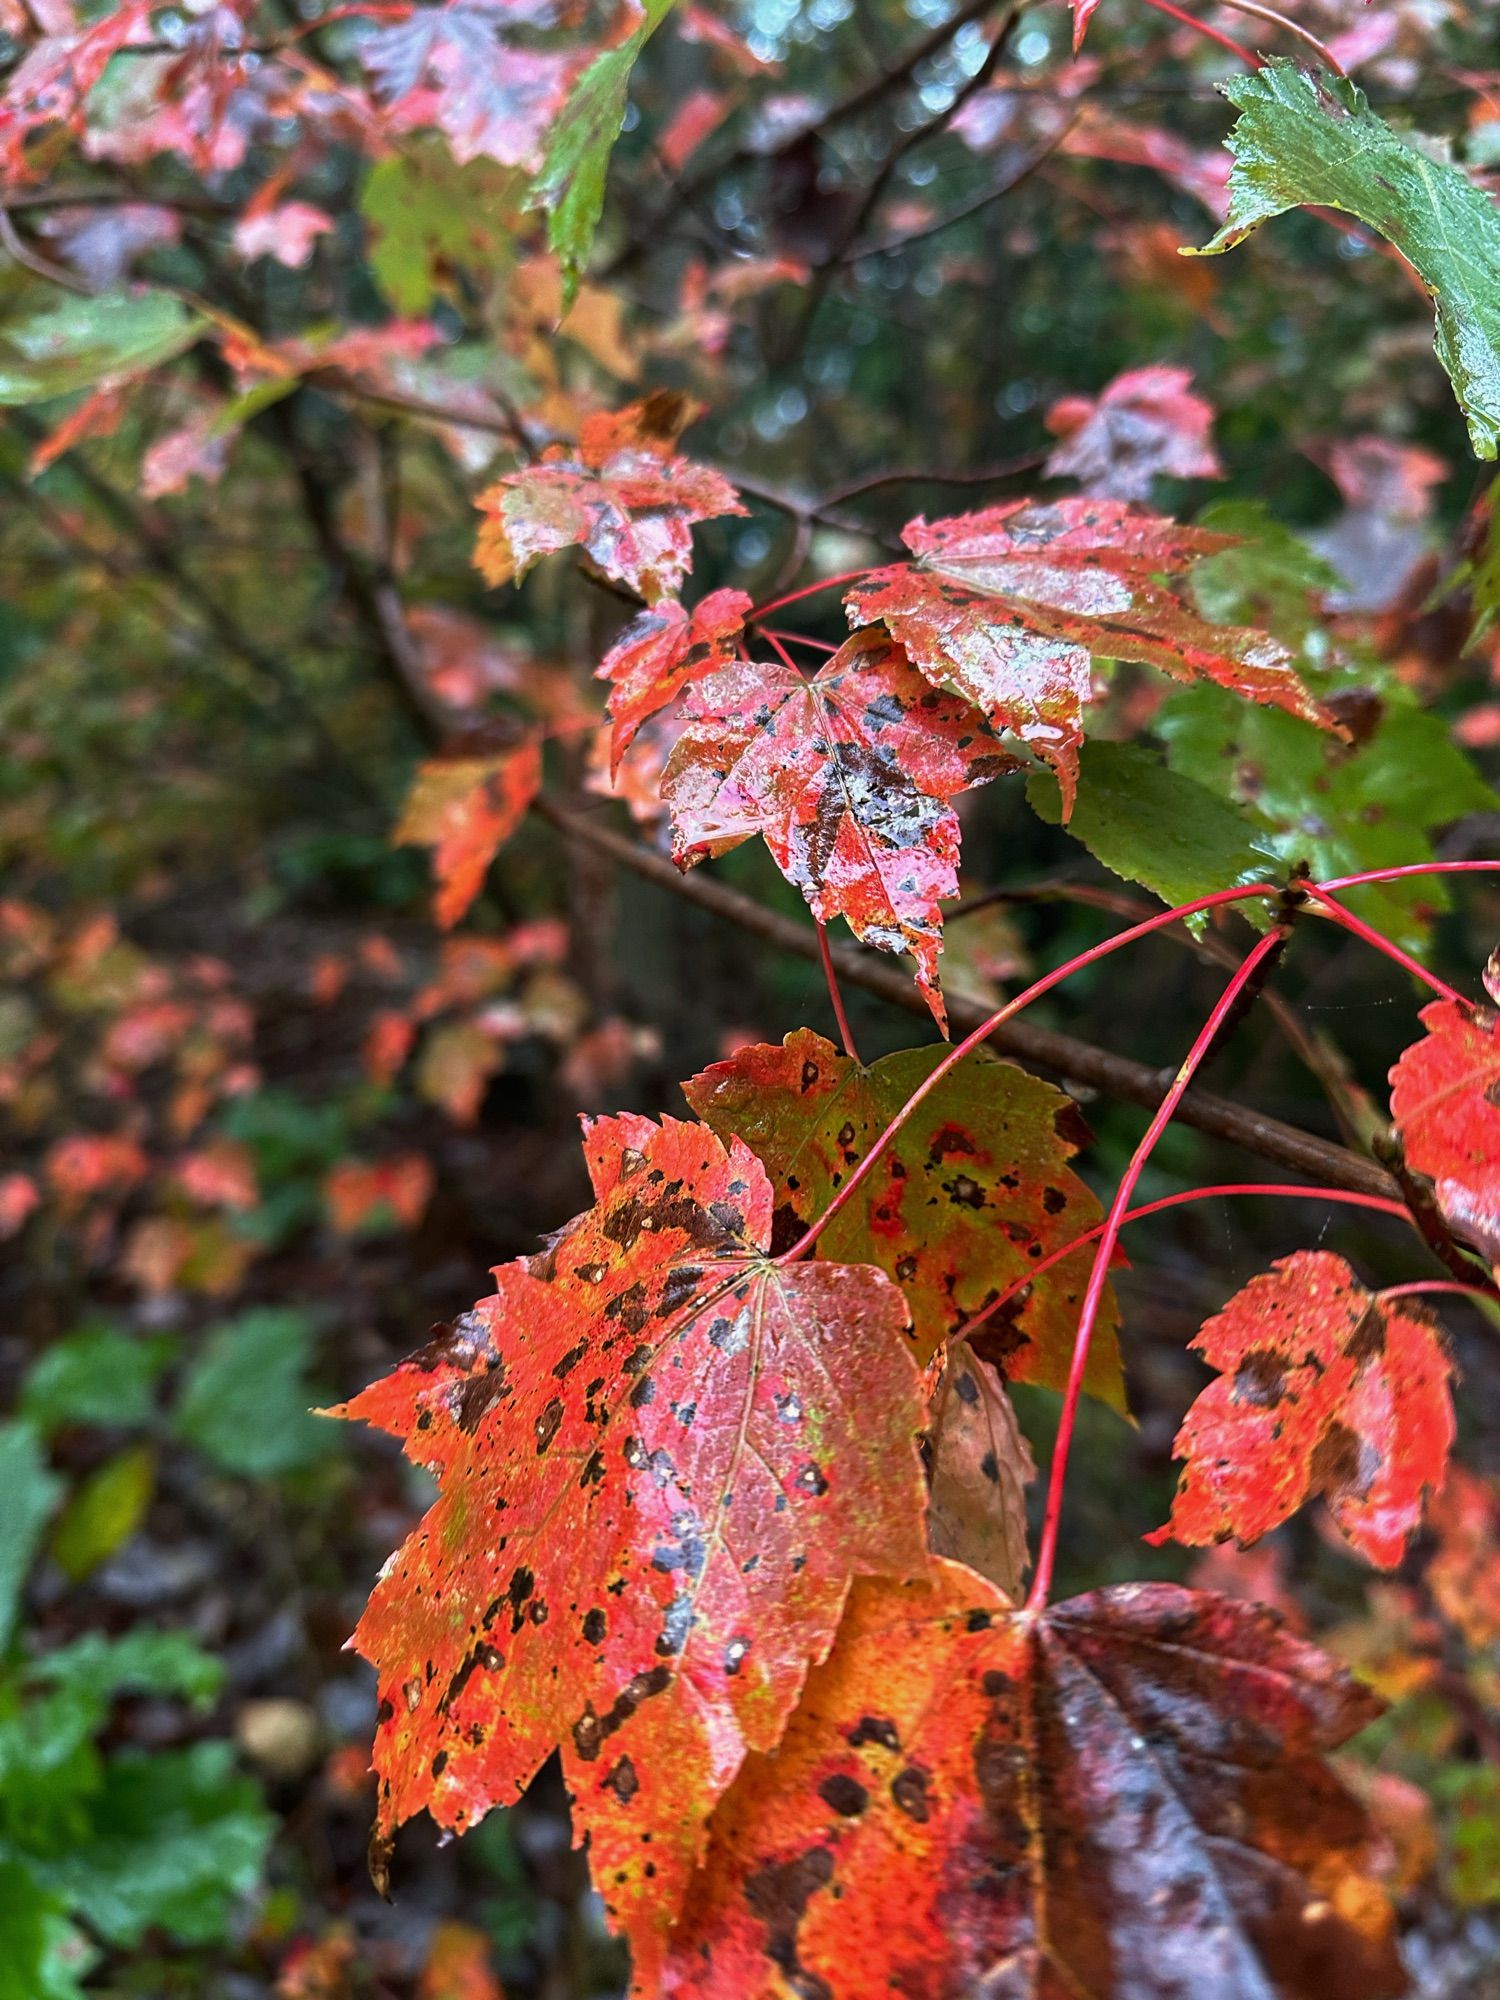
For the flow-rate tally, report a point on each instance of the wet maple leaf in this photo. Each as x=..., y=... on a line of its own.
x=1445, y=1101
x=662, y=1461
x=1146, y=424
x=464, y=809
x=622, y=495
x=660, y=652
x=1011, y=606
x=1122, y=1798
x=1323, y=1388
x=975, y=1188
x=848, y=777
x=981, y=1467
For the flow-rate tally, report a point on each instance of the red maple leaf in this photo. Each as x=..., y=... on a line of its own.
x=660, y=652
x=465, y=808
x=848, y=776
x=1445, y=1101
x=1123, y=1798
x=1323, y=1388
x=662, y=1460
x=1146, y=424
x=1011, y=606
x=622, y=495
x=975, y=1189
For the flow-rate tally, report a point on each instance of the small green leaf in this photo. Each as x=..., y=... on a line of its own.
x=1306, y=139
x=104, y=1513
x=175, y=1840
x=139, y=1662
x=1270, y=579
x=52, y=342
x=1152, y=825
x=28, y=1494
x=429, y=215
x=571, y=182
x=95, y=1376
x=1340, y=809
x=246, y=1400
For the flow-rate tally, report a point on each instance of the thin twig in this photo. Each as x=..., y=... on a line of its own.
x=830, y=973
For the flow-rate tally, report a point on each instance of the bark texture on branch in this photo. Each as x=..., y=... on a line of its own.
x=1063, y=1056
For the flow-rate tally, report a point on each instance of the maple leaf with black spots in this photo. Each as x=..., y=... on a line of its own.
x=622, y=495
x=1011, y=607
x=662, y=1461
x=848, y=777
x=661, y=652
x=1125, y=1797
x=1323, y=1388
x=975, y=1189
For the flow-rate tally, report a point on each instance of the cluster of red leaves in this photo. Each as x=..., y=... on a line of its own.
x=491, y=79
x=683, y=1537
x=987, y=657
x=151, y=1050
x=448, y=1028
x=662, y=1461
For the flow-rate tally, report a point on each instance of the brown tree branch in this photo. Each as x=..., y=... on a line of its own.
x=1065, y=1056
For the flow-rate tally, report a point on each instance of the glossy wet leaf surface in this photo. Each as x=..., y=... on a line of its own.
x=1323, y=1388
x=661, y=1463
x=1012, y=605
x=661, y=652
x=976, y=1188
x=848, y=777
x=622, y=495
x=1303, y=139
x=1126, y=1798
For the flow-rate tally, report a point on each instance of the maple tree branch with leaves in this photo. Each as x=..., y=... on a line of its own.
x=502, y=431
